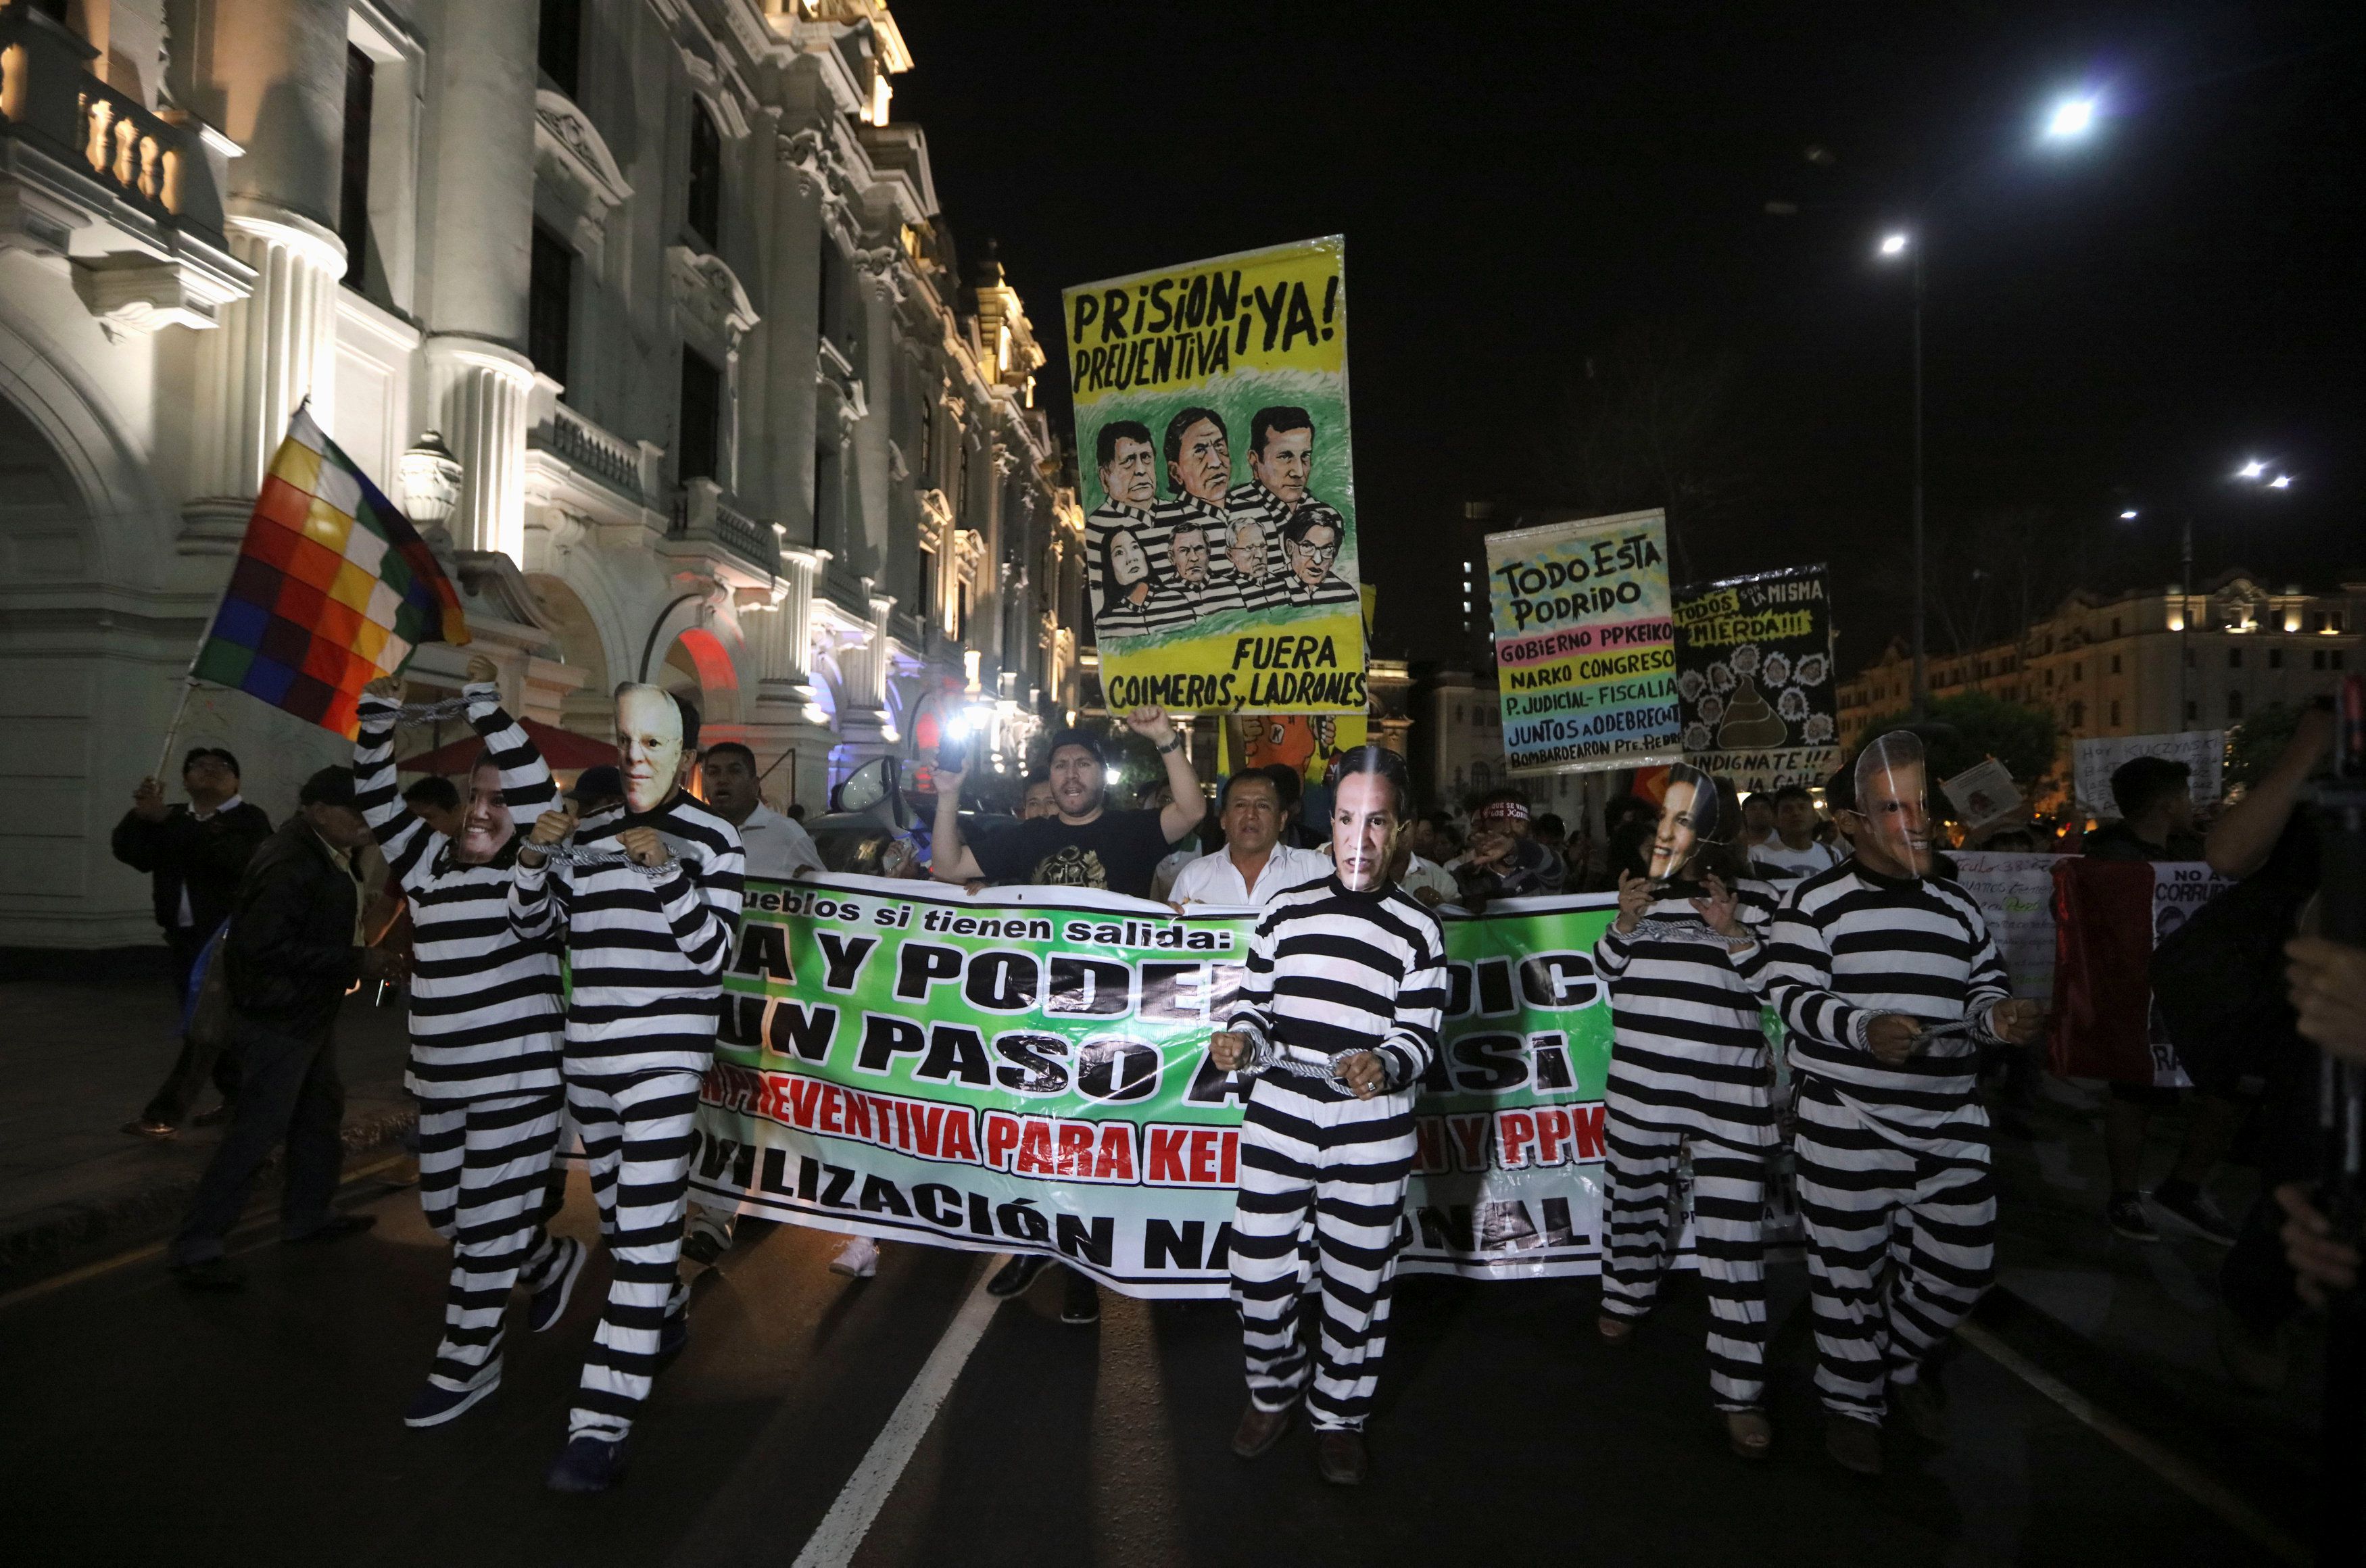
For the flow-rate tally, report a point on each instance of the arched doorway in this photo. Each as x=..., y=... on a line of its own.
x=590, y=708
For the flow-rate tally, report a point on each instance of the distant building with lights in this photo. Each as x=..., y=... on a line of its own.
x=2143, y=662
x=644, y=308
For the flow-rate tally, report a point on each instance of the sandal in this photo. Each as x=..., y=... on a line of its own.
x=1618, y=1331
x=1748, y=1433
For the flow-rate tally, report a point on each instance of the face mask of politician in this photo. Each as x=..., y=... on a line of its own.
x=649, y=746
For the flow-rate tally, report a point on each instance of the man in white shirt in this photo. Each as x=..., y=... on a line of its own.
x=1254, y=865
x=777, y=848
x=1793, y=852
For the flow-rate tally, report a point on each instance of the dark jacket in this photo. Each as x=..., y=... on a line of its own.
x=291, y=934
x=206, y=857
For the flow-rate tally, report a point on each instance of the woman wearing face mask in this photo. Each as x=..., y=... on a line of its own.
x=1689, y=1070
x=485, y=1021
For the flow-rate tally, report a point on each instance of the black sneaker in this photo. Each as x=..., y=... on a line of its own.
x=1016, y=1275
x=548, y=1303
x=2193, y=1208
x=701, y=1249
x=2127, y=1217
x=1080, y=1302
x=336, y=1228
x=435, y=1405
x=586, y=1464
x=212, y=1274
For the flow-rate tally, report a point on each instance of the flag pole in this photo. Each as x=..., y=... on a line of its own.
x=180, y=709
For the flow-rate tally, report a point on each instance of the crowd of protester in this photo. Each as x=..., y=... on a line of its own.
x=1844, y=920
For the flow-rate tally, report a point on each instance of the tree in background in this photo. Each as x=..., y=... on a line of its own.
x=1964, y=730
x=2253, y=746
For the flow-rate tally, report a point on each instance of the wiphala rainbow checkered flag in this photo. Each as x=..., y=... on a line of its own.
x=332, y=589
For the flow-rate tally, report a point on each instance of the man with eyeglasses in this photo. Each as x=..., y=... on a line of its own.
x=1310, y=543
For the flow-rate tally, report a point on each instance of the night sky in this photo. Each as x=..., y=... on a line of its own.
x=1530, y=190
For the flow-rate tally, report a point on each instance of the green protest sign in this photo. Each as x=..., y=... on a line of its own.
x=1027, y=1071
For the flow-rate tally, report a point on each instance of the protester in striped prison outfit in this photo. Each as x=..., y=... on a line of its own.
x=1338, y=1013
x=484, y=1040
x=1690, y=1071
x=1888, y=983
x=647, y=941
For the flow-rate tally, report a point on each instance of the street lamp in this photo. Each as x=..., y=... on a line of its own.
x=1893, y=245
x=2070, y=119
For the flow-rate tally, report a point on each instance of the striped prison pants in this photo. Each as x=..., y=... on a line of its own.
x=1900, y=1245
x=1728, y=1238
x=1323, y=1179
x=482, y=1166
x=637, y=1140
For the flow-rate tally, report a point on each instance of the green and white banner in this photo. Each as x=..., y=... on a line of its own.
x=1027, y=1070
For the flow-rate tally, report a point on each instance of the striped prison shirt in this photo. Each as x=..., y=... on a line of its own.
x=1847, y=944
x=1332, y=971
x=484, y=1003
x=645, y=954
x=1687, y=1051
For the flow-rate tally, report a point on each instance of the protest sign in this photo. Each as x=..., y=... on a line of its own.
x=2203, y=751
x=1982, y=794
x=2015, y=893
x=1307, y=743
x=1220, y=553
x=1584, y=654
x=1755, y=679
x=1027, y=1070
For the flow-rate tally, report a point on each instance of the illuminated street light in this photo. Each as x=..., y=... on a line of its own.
x=2251, y=470
x=2281, y=482
x=2129, y=515
x=1893, y=244
x=1115, y=776
x=2072, y=119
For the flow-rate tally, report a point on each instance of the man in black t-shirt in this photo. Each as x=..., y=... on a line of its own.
x=1082, y=844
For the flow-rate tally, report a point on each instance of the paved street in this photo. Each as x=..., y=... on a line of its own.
x=262, y=1428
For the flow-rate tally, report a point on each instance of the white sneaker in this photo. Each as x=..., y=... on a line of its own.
x=858, y=1260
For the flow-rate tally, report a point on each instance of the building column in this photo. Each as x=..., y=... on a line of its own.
x=273, y=78
x=785, y=719
x=480, y=132
x=865, y=726
x=275, y=349
x=787, y=355
x=478, y=393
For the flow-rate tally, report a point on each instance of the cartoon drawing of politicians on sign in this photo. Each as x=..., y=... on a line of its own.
x=1129, y=469
x=1310, y=543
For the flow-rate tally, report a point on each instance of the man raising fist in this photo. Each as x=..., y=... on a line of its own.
x=1082, y=844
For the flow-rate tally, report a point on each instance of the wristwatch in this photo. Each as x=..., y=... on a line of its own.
x=1174, y=745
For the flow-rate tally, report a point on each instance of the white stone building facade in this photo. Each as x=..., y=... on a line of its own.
x=644, y=307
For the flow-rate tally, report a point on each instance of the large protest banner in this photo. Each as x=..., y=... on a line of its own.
x=2095, y=761
x=1755, y=679
x=1585, y=652
x=1220, y=553
x=1027, y=1070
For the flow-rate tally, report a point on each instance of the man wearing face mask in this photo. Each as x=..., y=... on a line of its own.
x=1338, y=1017
x=1888, y=984
x=485, y=1022
x=646, y=895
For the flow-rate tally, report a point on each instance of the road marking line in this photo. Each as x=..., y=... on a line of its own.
x=140, y=1254
x=839, y=1534
x=2209, y=1493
